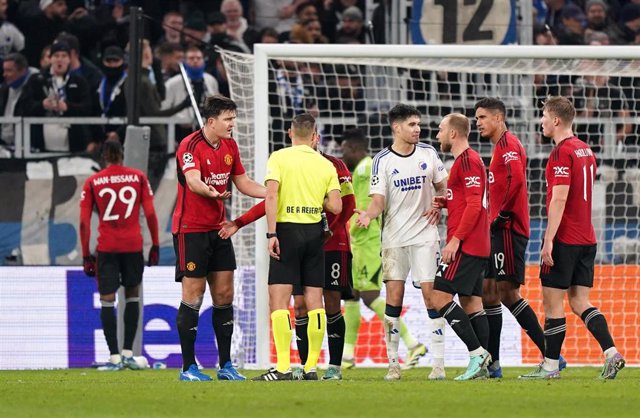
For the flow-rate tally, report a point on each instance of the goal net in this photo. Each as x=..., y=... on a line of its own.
x=348, y=86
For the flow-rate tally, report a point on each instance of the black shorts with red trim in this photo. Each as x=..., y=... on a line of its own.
x=337, y=274
x=573, y=265
x=116, y=269
x=507, y=262
x=199, y=253
x=463, y=276
x=301, y=260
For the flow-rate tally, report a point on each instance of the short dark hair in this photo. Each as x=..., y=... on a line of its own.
x=303, y=125
x=112, y=151
x=18, y=59
x=356, y=137
x=561, y=107
x=491, y=103
x=216, y=104
x=167, y=48
x=402, y=112
x=69, y=39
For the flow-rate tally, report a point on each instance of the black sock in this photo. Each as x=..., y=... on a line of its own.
x=302, y=339
x=459, y=322
x=335, y=336
x=528, y=320
x=554, y=332
x=110, y=327
x=494, y=319
x=597, y=325
x=131, y=316
x=480, y=326
x=223, y=328
x=187, y=322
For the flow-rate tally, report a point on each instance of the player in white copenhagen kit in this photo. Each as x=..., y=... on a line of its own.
x=404, y=179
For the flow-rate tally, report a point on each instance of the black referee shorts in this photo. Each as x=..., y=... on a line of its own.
x=507, y=256
x=301, y=255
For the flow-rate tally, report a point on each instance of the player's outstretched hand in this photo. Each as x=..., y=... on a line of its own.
x=502, y=218
x=89, y=265
x=433, y=216
x=274, y=248
x=439, y=202
x=363, y=219
x=154, y=256
x=217, y=195
x=227, y=229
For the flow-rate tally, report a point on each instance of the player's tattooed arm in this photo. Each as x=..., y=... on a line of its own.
x=433, y=214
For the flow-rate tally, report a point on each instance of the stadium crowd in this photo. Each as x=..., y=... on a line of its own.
x=68, y=58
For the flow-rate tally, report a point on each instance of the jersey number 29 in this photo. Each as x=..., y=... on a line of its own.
x=126, y=195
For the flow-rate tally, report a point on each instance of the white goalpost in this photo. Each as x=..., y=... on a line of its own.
x=353, y=86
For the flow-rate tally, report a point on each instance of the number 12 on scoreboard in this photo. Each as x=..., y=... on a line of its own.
x=463, y=22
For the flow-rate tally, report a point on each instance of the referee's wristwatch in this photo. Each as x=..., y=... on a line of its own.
x=271, y=235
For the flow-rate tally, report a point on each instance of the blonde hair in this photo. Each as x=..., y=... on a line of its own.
x=460, y=123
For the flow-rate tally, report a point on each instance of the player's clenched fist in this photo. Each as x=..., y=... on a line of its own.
x=89, y=265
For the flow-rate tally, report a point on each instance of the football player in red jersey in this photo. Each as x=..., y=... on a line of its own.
x=569, y=247
x=206, y=161
x=509, y=216
x=338, y=280
x=117, y=192
x=465, y=257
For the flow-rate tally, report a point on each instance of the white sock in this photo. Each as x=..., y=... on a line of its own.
x=127, y=353
x=550, y=364
x=392, y=338
x=610, y=352
x=436, y=334
x=115, y=358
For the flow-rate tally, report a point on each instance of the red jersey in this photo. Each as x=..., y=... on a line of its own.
x=117, y=192
x=339, y=224
x=195, y=213
x=572, y=163
x=508, y=183
x=468, y=217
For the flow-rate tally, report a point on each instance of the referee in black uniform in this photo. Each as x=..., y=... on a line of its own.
x=300, y=182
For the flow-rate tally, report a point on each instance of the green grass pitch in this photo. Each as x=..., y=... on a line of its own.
x=362, y=393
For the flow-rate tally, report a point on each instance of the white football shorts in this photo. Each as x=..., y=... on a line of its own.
x=421, y=259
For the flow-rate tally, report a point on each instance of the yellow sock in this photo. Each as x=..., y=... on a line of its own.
x=315, y=332
x=281, y=327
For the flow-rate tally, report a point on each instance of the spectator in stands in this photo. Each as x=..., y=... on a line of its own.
x=236, y=23
x=596, y=38
x=304, y=12
x=58, y=92
x=45, y=58
x=597, y=17
x=151, y=68
x=41, y=29
x=268, y=36
x=195, y=30
x=170, y=56
x=172, y=24
x=203, y=84
x=554, y=14
x=573, y=22
x=16, y=72
x=277, y=14
x=110, y=99
x=219, y=36
x=352, y=25
x=307, y=32
x=628, y=25
x=80, y=65
x=11, y=39
x=596, y=99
